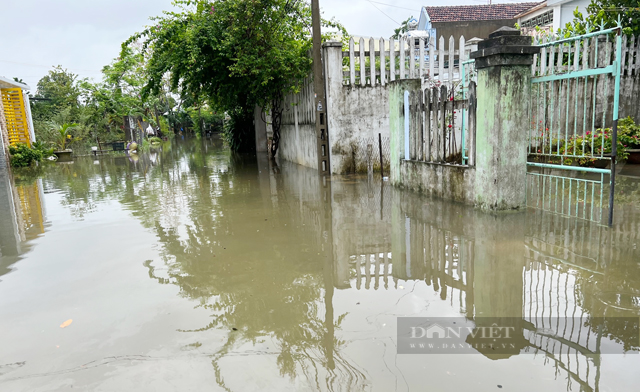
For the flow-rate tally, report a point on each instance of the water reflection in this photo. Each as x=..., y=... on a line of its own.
x=23, y=217
x=274, y=253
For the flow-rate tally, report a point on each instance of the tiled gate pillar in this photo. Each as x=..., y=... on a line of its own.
x=504, y=96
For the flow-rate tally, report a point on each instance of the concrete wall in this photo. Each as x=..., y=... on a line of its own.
x=495, y=180
x=298, y=130
x=450, y=182
x=298, y=144
x=355, y=114
x=445, y=181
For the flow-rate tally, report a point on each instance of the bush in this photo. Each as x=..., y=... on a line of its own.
x=40, y=146
x=23, y=155
x=629, y=133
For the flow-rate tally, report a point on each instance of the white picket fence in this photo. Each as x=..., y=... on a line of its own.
x=406, y=58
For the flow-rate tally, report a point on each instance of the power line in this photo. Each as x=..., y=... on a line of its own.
x=391, y=5
x=383, y=12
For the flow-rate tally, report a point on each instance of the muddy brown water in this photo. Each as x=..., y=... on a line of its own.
x=188, y=269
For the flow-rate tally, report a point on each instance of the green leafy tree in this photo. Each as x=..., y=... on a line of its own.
x=397, y=33
x=606, y=13
x=60, y=91
x=235, y=54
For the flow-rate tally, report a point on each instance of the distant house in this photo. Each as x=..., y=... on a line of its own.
x=469, y=20
x=16, y=124
x=550, y=15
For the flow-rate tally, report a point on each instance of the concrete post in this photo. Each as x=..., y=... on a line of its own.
x=261, y=130
x=332, y=56
x=398, y=123
x=503, y=94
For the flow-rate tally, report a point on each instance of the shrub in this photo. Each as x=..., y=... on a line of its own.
x=40, y=146
x=629, y=133
x=23, y=155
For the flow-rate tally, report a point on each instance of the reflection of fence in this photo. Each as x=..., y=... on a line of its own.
x=561, y=255
x=441, y=258
x=582, y=198
x=558, y=322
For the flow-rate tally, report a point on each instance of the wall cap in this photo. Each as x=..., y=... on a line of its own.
x=505, y=46
x=332, y=44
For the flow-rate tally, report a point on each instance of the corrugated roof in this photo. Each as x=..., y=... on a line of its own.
x=459, y=13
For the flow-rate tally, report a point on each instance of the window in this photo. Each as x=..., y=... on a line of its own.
x=539, y=20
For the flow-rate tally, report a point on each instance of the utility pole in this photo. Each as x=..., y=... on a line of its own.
x=322, y=135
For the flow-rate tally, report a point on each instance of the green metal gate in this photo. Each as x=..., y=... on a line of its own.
x=572, y=145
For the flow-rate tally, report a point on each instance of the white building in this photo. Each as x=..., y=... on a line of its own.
x=551, y=15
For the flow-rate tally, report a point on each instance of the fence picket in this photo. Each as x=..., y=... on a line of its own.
x=383, y=63
x=536, y=58
x=441, y=60
x=450, y=68
x=412, y=127
x=472, y=124
x=392, y=59
x=419, y=120
x=402, y=64
x=435, y=97
x=631, y=51
x=443, y=117
x=372, y=60
x=427, y=122
x=352, y=65
x=412, y=58
x=636, y=52
x=421, y=59
x=432, y=56
x=625, y=50
x=543, y=58
x=363, y=70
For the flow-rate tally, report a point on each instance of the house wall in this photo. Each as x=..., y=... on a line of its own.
x=470, y=29
x=563, y=10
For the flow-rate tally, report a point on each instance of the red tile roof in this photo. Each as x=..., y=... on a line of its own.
x=459, y=13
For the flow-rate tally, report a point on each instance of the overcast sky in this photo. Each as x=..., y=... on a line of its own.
x=85, y=35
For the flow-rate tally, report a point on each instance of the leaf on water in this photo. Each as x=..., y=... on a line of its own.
x=66, y=323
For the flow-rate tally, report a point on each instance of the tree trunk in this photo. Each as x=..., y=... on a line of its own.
x=276, y=122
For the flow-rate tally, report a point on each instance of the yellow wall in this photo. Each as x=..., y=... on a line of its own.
x=15, y=116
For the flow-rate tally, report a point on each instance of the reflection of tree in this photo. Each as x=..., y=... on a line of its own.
x=203, y=207
x=261, y=290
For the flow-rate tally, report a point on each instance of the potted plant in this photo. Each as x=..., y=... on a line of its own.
x=63, y=138
x=629, y=135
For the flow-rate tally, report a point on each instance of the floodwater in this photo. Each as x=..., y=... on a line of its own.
x=192, y=270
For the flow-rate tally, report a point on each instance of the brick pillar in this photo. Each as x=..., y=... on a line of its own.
x=504, y=96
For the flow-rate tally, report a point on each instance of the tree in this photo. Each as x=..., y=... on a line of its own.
x=397, y=33
x=60, y=90
x=235, y=54
x=606, y=13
